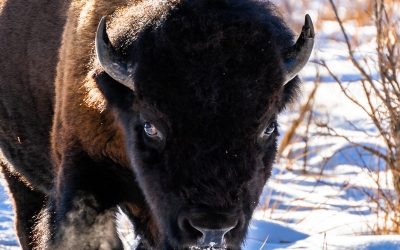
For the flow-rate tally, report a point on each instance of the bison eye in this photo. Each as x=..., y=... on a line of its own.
x=270, y=129
x=151, y=130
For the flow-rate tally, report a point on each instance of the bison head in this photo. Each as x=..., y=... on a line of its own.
x=197, y=87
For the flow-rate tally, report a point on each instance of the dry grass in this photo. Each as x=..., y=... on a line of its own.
x=382, y=106
x=358, y=11
x=305, y=115
x=382, y=95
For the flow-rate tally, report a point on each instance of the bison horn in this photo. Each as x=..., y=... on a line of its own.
x=298, y=55
x=112, y=64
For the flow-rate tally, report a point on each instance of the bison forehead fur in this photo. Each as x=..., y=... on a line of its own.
x=168, y=112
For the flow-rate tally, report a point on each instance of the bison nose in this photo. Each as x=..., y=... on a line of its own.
x=212, y=238
x=208, y=229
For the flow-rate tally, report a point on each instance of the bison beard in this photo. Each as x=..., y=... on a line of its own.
x=165, y=109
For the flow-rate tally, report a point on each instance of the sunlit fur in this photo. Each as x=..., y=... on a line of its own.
x=208, y=77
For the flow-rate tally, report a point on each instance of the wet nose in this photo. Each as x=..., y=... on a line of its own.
x=214, y=238
x=208, y=229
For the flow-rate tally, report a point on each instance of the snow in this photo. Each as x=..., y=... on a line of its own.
x=329, y=206
x=7, y=236
x=268, y=234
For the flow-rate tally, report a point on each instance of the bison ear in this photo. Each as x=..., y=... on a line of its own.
x=117, y=95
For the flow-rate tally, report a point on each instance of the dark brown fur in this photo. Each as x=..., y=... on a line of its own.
x=213, y=83
x=30, y=37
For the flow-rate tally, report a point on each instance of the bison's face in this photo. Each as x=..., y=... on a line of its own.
x=203, y=172
x=202, y=92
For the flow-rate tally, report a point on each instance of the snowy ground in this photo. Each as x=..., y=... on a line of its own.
x=310, y=211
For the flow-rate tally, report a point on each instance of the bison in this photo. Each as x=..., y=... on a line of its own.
x=166, y=110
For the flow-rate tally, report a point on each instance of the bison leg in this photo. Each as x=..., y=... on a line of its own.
x=84, y=227
x=27, y=206
x=85, y=202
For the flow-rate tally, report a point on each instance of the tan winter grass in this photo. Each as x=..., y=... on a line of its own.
x=383, y=103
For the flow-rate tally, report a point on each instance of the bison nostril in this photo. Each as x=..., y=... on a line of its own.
x=214, y=238
x=185, y=226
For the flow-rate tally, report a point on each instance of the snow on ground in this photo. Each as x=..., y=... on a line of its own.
x=327, y=208
x=7, y=236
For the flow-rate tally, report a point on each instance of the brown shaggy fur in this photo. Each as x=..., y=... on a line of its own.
x=30, y=35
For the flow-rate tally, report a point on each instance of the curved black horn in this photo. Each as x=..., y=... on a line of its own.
x=298, y=55
x=112, y=65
